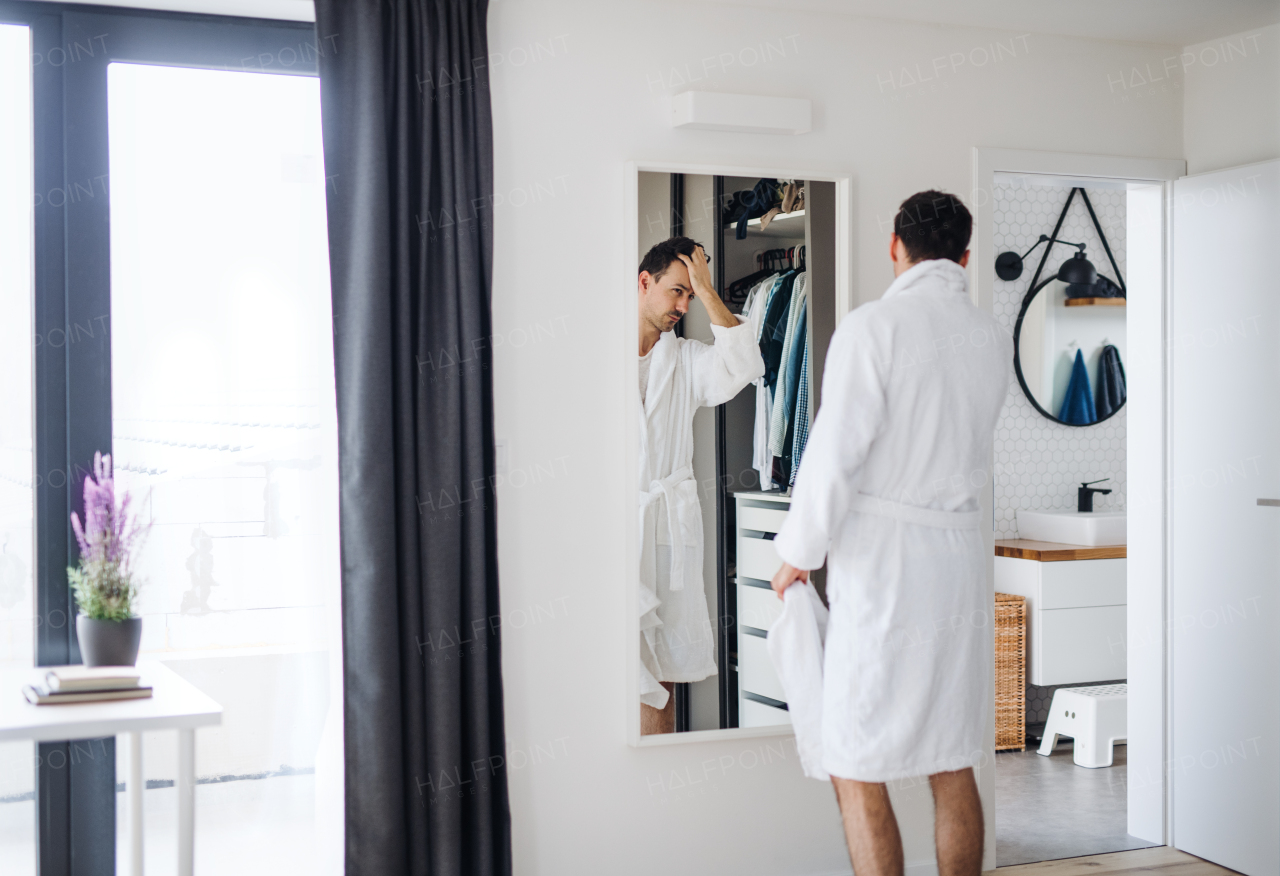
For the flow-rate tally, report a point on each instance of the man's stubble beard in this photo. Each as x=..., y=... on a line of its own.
x=661, y=322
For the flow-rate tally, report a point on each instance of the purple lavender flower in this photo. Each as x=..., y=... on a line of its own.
x=108, y=541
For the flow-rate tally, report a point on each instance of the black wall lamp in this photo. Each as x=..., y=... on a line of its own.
x=1077, y=271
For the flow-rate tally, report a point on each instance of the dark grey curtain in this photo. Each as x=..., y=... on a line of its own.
x=408, y=149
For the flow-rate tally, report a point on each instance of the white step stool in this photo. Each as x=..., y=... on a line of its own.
x=1095, y=717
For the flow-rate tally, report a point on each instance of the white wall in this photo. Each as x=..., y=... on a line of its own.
x=1232, y=100
x=578, y=89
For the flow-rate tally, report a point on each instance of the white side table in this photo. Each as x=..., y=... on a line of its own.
x=175, y=704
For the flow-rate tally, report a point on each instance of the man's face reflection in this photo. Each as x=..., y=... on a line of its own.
x=665, y=300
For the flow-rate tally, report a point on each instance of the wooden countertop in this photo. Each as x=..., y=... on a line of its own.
x=1049, y=551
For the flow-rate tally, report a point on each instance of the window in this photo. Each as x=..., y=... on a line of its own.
x=167, y=300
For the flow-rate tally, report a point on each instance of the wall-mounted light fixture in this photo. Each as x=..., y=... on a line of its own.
x=1077, y=272
x=742, y=113
x=1009, y=264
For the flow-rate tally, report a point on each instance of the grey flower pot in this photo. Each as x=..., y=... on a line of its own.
x=109, y=643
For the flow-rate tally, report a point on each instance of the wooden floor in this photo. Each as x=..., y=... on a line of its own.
x=1160, y=860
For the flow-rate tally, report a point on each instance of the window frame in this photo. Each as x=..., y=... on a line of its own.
x=72, y=46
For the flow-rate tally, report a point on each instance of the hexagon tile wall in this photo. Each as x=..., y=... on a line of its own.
x=1040, y=463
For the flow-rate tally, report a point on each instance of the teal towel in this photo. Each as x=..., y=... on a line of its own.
x=1077, y=407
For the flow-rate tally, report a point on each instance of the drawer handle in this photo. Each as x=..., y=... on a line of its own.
x=752, y=631
x=1269, y=503
x=766, y=701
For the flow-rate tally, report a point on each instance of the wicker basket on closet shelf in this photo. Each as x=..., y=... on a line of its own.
x=1011, y=671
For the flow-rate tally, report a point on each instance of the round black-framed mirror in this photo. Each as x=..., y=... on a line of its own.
x=1037, y=399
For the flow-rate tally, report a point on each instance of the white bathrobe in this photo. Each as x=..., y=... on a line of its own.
x=677, y=637
x=888, y=492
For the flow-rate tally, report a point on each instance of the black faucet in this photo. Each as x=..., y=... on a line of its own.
x=1084, y=495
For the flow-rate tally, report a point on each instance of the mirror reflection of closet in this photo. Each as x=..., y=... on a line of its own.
x=737, y=561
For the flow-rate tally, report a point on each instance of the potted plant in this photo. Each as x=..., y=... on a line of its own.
x=104, y=583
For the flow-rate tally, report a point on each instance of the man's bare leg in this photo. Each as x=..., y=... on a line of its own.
x=957, y=823
x=870, y=828
x=659, y=720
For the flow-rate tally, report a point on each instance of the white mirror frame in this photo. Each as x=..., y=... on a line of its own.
x=631, y=446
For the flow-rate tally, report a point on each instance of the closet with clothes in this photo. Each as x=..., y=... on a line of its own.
x=781, y=267
x=771, y=243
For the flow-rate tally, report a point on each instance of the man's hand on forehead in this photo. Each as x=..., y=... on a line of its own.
x=699, y=270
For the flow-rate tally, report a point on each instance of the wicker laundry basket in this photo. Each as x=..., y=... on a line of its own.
x=1011, y=671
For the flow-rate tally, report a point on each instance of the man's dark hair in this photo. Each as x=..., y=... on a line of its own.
x=933, y=225
x=659, y=258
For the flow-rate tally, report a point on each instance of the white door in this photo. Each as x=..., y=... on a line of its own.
x=1225, y=619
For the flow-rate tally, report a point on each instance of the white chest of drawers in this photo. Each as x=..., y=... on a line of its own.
x=761, y=701
x=1076, y=608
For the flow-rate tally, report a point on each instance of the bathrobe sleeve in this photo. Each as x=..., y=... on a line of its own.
x=851, y=415
x=721, y=370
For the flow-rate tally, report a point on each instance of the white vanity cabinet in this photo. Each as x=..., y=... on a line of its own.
x=1075, y=608
x=761, y=701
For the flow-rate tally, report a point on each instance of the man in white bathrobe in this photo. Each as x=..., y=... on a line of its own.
x=888, y=493
x=677, y=376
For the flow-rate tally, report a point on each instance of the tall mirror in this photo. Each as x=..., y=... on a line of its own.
x=736, y=296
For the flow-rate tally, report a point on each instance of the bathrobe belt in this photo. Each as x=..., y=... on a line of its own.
x=665, y=489
x=914, y=513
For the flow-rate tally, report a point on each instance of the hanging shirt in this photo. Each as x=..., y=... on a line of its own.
x=783, y=400
x=761, y=460
x=793, y=378
x=755, y=302
x=775, y=326
x=801, y=432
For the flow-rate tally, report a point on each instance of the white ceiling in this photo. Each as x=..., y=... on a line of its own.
x=1168, y=22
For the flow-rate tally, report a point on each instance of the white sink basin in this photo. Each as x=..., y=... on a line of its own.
x=1092, y=528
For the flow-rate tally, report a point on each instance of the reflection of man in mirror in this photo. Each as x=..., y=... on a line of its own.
x=677, y=376
x=888, y=494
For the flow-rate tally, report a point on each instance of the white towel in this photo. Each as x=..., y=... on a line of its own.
x=795, y=645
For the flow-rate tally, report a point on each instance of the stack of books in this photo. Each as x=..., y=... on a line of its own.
x=82, y=684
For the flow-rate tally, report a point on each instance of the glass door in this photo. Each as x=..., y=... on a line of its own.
x=180, y=321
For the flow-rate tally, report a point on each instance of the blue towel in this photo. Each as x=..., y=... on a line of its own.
x=1077, y=407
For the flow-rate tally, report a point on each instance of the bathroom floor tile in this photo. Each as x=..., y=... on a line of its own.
x=1048, y=808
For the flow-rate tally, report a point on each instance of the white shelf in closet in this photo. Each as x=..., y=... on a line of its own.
x=785, y=225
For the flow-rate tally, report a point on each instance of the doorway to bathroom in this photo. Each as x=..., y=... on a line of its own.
x=1065, y=254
